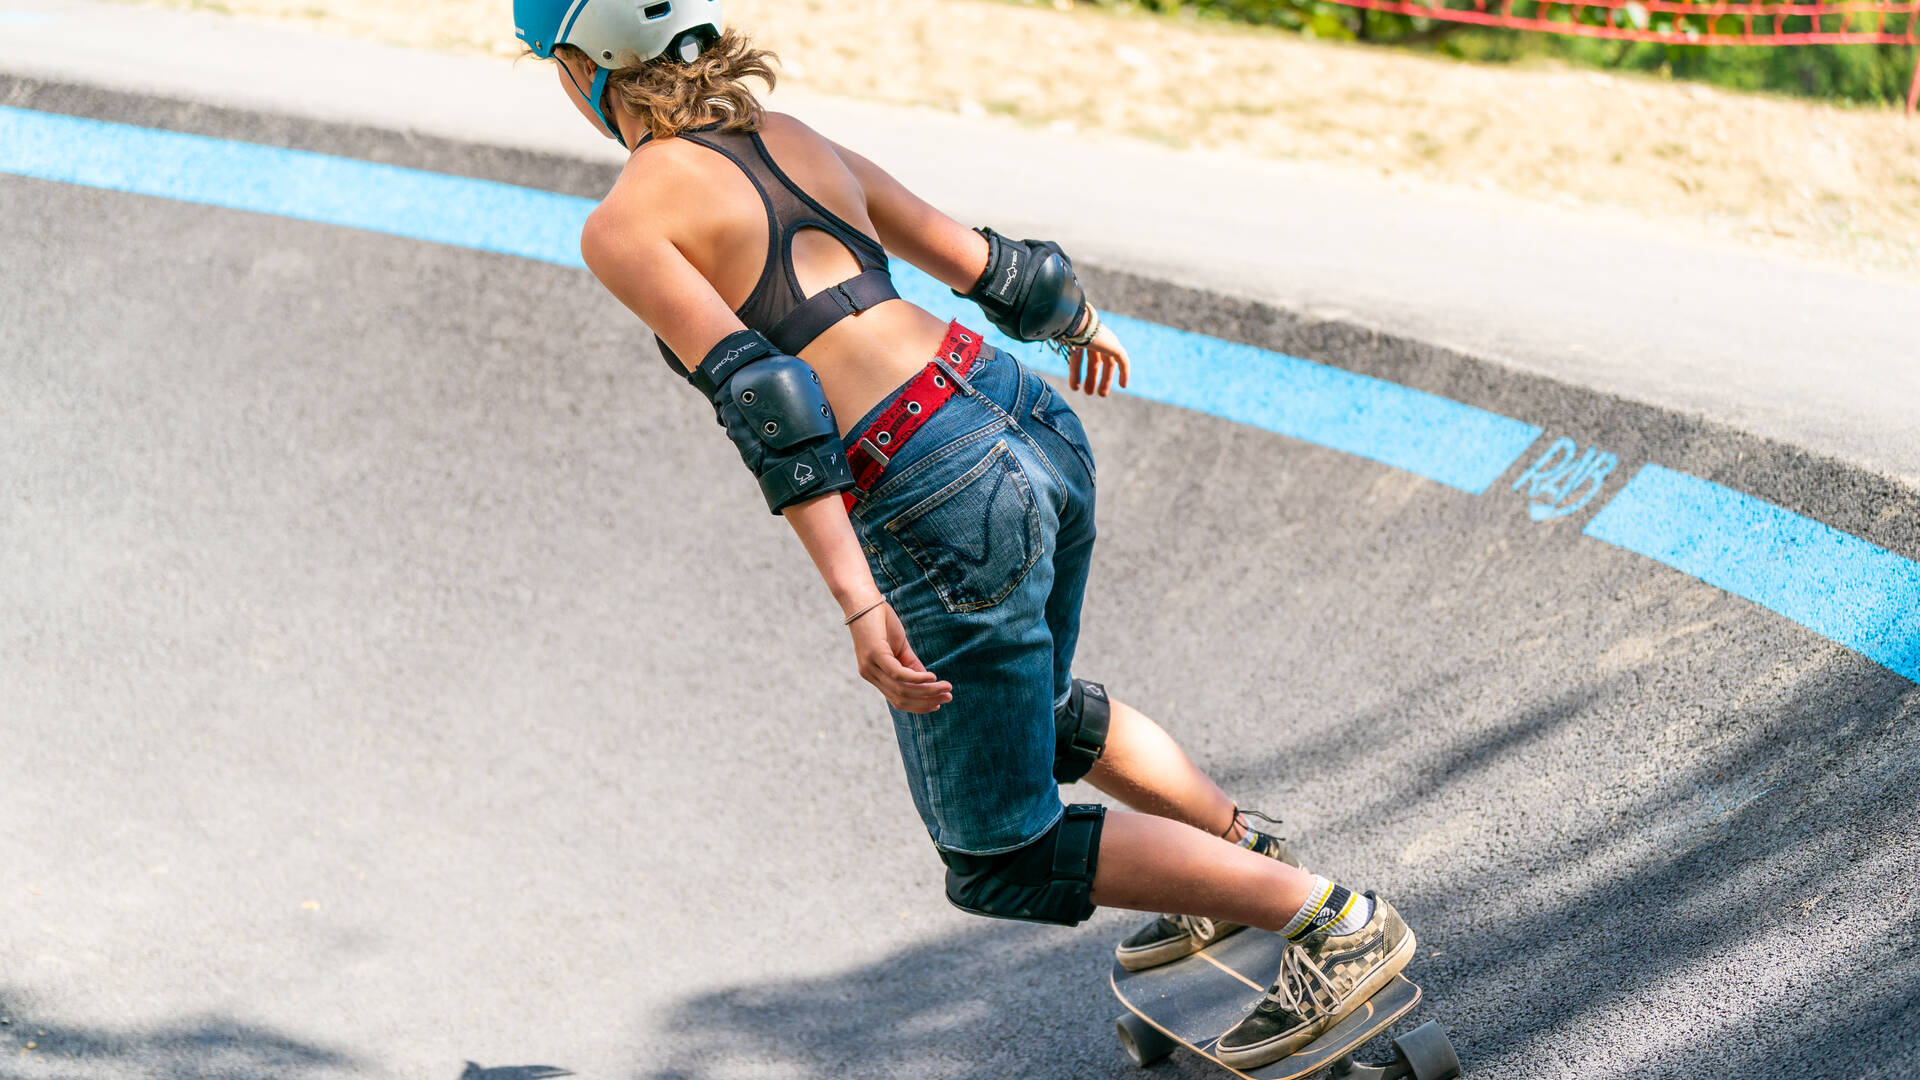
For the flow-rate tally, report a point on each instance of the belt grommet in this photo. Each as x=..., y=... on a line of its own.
x=940, y=381
x=953, y=358
x=913, y=407
x=883, y=438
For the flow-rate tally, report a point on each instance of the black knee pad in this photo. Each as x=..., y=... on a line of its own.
x=1080, y=730
x=1049, y=880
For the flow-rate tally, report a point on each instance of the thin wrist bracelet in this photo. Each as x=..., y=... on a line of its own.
x=863, y=611
x=1085, y=337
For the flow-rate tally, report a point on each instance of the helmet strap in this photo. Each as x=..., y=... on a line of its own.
x=600, y=101
x=597, y=100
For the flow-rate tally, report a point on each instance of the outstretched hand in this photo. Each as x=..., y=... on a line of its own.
x=1101, y=356
x=887, y=661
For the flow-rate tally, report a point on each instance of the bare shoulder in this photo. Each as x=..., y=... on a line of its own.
x=785, y=124
x=661, y=171
x=650, y=193
x=788, y=136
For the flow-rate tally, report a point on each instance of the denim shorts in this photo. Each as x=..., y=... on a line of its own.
x=979, y=531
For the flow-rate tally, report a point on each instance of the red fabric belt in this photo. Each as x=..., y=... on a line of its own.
x=927, y=391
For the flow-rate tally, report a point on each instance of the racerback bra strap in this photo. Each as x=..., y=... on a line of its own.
x=775, y=306
x=814, y=315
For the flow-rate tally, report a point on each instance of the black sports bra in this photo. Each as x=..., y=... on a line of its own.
x=776, y=307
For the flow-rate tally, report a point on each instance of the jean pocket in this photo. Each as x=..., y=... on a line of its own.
x=976, y=538
x=1051, y=409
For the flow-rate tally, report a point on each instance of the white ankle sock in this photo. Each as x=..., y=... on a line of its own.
x=1330, y=907
x=1355, y=918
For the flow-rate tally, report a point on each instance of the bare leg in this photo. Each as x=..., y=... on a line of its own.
x=1170, y=857
x=1149, y=863
x=1143, y=767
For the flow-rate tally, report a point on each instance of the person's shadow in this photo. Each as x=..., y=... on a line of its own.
x=513, y=1072
x=1658, y=917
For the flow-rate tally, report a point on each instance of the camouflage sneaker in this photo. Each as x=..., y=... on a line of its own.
x=1170, y=937
x=1322, y=979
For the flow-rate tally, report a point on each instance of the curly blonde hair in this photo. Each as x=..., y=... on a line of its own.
x=670, y=96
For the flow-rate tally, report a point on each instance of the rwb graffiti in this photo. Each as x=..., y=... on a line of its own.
x=1561, y=473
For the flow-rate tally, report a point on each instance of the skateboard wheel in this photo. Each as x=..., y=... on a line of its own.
x=1428, y=1052
x=1142, y=1041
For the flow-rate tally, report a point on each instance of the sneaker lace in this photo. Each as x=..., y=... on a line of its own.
x=1302, y=988
x=1199, y=926
x=1263, y=817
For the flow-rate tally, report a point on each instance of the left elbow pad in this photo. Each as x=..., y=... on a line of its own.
x=777, y=415
x=1028, y=290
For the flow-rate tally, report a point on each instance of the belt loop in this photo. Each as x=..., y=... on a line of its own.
x=958, y=380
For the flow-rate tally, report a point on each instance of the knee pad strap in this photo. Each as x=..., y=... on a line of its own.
x=1049, y=880
x=1080, y=730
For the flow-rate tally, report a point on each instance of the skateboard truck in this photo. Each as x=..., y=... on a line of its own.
x=1425, y=1053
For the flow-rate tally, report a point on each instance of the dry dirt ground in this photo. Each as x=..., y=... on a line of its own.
x=1839, y=186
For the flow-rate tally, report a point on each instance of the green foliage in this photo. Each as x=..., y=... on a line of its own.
x=1867, y=73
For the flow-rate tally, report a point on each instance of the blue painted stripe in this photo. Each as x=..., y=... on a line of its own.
x=1424, y=434
x=1839, y=586
x=294, y=183
x=1847, y=589
x=1430, y=436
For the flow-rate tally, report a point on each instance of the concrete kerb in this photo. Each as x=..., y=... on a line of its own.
x=1806, y=355
x=1619, y=436
x=1851, y=498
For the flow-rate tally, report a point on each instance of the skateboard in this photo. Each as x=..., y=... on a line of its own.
x=1193, y=1001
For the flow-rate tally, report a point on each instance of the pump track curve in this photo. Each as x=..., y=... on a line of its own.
x=397, y=673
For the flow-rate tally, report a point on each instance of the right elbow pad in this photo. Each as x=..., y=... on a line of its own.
x=1028, y=290
x=777, y=415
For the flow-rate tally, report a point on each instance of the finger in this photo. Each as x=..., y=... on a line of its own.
x=920, y=701
x=1073, y=367
x=915, y=686
x=1106, y=376
x=923, y=703
x=1124, y=366
x=890, y=666
x=924, y=689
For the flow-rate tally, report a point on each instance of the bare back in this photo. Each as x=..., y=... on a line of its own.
x=712, y=213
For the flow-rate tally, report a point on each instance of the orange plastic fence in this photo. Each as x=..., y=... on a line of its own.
x=1689, y=22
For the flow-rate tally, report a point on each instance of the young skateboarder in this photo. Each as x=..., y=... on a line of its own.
x=945, y=493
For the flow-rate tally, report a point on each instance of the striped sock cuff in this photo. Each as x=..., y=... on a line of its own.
x=1316, y=895
x=1326, y=904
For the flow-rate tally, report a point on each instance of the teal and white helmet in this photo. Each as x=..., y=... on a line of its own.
x=617, y=34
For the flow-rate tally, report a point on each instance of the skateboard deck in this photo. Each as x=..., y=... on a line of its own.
x=1193, y=1001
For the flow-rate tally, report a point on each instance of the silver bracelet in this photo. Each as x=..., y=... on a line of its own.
x=863, y=611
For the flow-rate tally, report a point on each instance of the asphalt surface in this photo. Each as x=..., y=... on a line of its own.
x=396, y=673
